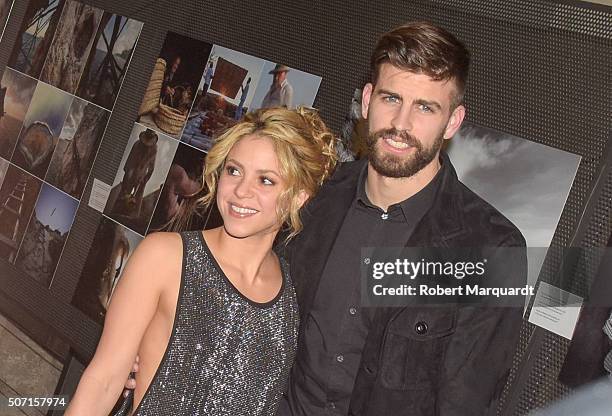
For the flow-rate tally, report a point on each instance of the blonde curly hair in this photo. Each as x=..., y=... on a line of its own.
x=305, y=149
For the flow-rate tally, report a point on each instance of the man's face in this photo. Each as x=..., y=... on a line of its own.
x=176, y=63
x=409, y=116
x=279, y=77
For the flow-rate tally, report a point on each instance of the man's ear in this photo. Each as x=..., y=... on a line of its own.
x=454, y=122
x=366, y=94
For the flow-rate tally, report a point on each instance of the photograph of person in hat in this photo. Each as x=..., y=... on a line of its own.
x=140, y=177
x=280, y=93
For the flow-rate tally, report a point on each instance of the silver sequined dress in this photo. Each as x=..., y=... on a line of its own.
x=227, y=355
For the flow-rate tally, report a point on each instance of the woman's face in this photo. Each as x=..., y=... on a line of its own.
x=249, y=187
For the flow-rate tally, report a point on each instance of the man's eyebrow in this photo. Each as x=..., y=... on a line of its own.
x=383, y=91
x=429, y=103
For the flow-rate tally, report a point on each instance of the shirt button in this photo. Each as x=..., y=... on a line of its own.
x=384, y=216
x=352, y=311
x=421, y=328
x=331, y=405
x=340, y=358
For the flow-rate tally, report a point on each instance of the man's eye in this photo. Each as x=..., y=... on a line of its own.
x=425, y=108
x=391, y=98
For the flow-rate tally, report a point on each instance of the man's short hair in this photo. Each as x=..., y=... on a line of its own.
x=423, y=48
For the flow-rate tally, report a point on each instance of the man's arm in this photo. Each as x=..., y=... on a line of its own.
x=287, y=96
x=479, y=355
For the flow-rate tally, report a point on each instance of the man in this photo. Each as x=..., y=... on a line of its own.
x=208, y=76
x=244, y=91
x=280, y=93
x=169, y=84
x=450, y=360
x=137, y=171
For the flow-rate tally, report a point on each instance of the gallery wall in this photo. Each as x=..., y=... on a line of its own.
x=530, y=79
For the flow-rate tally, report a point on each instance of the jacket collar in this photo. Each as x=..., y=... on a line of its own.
x=325, y=214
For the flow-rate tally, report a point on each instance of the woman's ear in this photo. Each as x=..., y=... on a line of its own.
x=302, y=197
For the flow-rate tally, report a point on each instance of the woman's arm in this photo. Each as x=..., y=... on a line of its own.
x=131, y=309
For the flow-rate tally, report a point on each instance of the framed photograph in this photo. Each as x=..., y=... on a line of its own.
x=5, y=11
x=41, y=129
x=16, y=91
x=111, y=248
x=173, y=84
x=46, y=234
x=109, y=59
x=69, y=50
x=35, y=35
x=140, y=178
x=77, y=147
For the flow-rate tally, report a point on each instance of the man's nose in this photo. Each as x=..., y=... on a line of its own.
x=402, y=118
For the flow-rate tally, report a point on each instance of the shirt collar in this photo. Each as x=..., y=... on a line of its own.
x=412, y=208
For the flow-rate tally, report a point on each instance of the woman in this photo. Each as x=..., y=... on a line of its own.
x=213, y=315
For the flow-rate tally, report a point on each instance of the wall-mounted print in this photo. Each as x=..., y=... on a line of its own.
x=46, y=234
x=173, y=84
x=16, y=91
x=35, y=36
x=5, y=11
x=71, y=45
x=225, y=92
x=281, y=86
x=110, y=250
x=77, y=147
x=4, y=165
x=526, y=181
x=183, y=181
x=140, y=178
x=235, y=83
x=18, y=193
x=109, y=60
x=41, y=129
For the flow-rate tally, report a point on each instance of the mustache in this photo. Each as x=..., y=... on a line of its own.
x=393, y=133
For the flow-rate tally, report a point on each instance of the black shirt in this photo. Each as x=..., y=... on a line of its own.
x=323, y=376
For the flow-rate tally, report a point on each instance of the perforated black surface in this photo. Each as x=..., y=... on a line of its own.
x=541, y=71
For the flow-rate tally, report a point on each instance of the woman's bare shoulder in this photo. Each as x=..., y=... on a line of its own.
x=161, y=253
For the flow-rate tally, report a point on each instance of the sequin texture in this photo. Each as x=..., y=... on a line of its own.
x=227, y=355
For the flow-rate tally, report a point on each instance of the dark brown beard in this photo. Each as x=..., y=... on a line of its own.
x=395, y=167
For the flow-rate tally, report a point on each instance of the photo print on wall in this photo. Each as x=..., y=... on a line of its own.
x=5, y=11
x=16, y=92
x=173, y=83
x=18, y=193
x=63, y=48
x=35, y=36
x=46, y=234
x=140, y=177
x=193, y=95
x=235, y=83
x=110, y=250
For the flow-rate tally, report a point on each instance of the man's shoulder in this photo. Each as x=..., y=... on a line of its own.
x=485, y=221
x=346, y=172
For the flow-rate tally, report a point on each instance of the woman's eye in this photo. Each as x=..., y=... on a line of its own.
x=232, y=171
x=267, y=181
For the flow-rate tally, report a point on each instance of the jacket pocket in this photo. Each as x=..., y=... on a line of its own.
x=414, y=348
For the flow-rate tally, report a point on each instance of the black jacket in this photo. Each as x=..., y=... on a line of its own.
x=460, y=364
